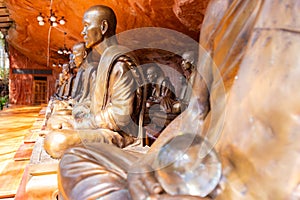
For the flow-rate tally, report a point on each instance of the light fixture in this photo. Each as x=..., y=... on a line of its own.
x=59, y=64
x=64, y=50
x=62, y=21
x=52, y=19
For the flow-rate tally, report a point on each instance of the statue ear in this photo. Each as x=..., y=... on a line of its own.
x=104, y=27
x=84, y=54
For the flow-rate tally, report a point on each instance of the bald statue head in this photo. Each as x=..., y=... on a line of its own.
x=99, y=23
x=79, y=53
x=65, y=69
x=188, y=60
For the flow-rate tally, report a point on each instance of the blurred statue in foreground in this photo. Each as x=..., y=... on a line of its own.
x=115, y=110
x=186, y=167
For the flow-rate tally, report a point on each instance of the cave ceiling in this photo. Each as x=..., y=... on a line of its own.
x=40, y=43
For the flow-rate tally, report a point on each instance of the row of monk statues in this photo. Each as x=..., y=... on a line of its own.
x=105, y=106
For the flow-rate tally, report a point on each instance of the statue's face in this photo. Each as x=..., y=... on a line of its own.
x=65, y=69
x=78, y=55
x=91, y=32
x=186, y=64
x=61, y=78
x=151, y=75
x=187, y=61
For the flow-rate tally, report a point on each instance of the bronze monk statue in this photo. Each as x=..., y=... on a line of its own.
x=62, y=109
x=188, y=65
x=86, y=75
x=89, y=68
x=68, y=79
x=97, y=170
x=162, y=91
x=59, y=102
x=79, y=54
x=184, y=168
x=58, y=86
x=116, y=109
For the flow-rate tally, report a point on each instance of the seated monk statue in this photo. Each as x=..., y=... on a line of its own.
x=247, y=36
x=59, y=102
x=62, y=109
x=58, y=86
x=161, y=90
x=188, y=66
x=225, y=27
x=71, y=76
x=79, y=54
x=83, y=87
x=184, y=168
x=66, y=74
x=162, y=106
x=117, y=102
x=88, y=87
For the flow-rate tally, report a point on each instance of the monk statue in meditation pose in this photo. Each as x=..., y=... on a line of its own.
x=254, y=49
x=79, y=53
x=65, y=79
x=58, y=86
x=62, y=109
x=86, y=75
x=161, y=90
x=68, y=81
x=239, y=36
x=60, y=100
x=116, y=108
x=188, y=65
x=94, y=170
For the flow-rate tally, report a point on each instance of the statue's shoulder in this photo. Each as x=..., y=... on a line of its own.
x=89, y=64
x=127, y=60
x=119, y=53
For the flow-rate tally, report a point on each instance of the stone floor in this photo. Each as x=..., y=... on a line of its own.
x=16, y=122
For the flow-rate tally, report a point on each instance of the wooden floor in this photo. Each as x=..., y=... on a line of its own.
x=15, y=122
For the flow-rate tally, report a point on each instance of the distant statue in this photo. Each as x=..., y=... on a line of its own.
x=88, y=70
x=58, y=86
x=66, y=76
x=162, y=91
x=188, y=65
x=70, y=81
x=85, y=75
x=79, y=54
x=59, y=100
x=116, y=106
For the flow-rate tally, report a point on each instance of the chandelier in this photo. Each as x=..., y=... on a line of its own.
x=52, y=19
x=59, y=64
x=64, y=50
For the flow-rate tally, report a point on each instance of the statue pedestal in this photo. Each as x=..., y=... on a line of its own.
x=39, y=180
